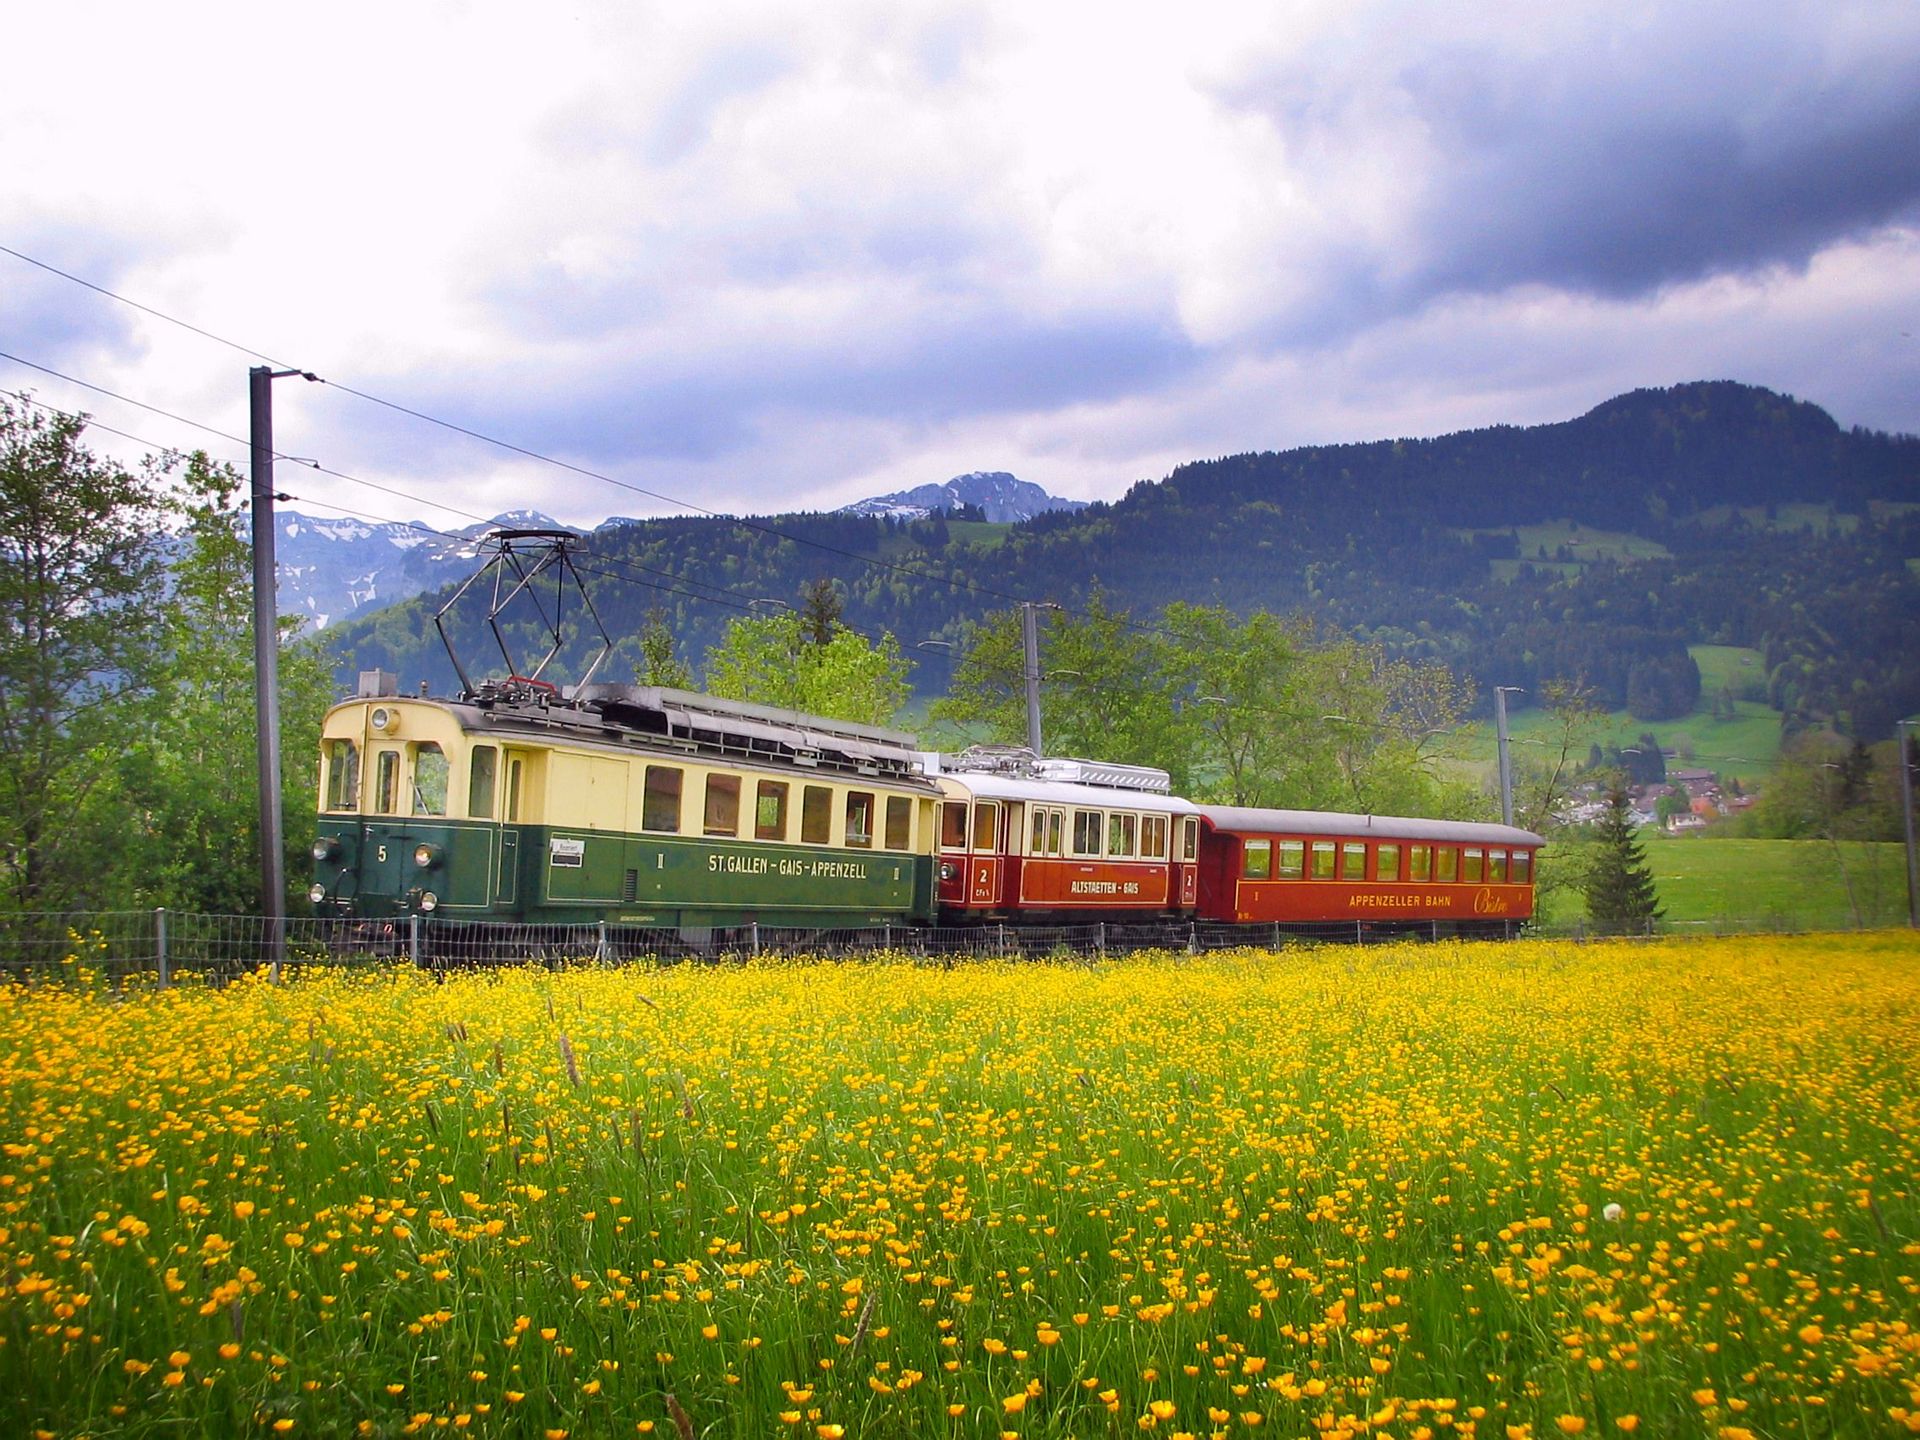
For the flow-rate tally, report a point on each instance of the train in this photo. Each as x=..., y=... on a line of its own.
x=519, y=802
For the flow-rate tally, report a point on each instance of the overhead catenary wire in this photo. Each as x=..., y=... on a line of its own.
x=972, y=587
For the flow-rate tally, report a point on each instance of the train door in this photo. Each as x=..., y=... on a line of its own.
x=985, y=867
x=1186, y=860
x=507, y=862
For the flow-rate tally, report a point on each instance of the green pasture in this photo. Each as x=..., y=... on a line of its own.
x=1767, y=884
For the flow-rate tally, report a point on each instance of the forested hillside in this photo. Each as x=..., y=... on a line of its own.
x=1711, y=512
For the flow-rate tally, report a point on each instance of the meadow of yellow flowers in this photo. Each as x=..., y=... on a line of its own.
x=1409, y=1191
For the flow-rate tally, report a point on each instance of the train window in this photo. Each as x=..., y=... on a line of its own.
x=986, y=825
x=1386, y=863
x=770, y=811
x=1353, y=860
x=1497, y=867
x=1153, y=836
x=1472, y=865
x=1522, y=864
x=480, y=773
x=1256, y=859
x=429, y=779
x=722, y=816
x=1056, y=832
x=660, y=803
x=1190, y=839
x=899, y=823
x=1293, y=859
x=953, y=825
x=816, y=815
x=1120, y=835
x=1446, y=864
x=1419, y=862
x=1323, y=859
x=1086, y=832
x=513, y=790
x=1038, y=845
x=386, y=783
x=860, y=819
x=343, y=775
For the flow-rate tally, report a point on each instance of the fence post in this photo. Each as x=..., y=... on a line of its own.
x=886, y=935
x=754, y=929
x=600, y=943
x=1359, y=935
x=1193, y=938
x=1100, y=940
x=160, y=941
x=1001, y=939
x=413, y=938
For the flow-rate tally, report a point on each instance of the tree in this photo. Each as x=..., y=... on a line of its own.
x=189, y=775
x=80, y=576
x=820, y=610
x=658, y=664
x=773, y=660
x=1104, y=691
x=1621, y=898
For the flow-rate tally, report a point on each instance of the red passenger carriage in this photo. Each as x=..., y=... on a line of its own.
x=1305, y=868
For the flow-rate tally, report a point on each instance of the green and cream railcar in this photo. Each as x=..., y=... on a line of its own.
x=637, y=806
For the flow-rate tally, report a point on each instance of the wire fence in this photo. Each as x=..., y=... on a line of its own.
x=172, y=945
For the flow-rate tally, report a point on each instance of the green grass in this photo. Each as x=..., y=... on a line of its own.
x=1730, y=667
x=981, y=534
x=1757, y=884
x=1820, y=519
x=1744, y=747
x=1584, y=545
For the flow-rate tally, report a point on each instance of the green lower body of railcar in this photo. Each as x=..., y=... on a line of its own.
x=536, y=874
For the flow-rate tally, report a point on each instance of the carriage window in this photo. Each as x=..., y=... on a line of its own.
x=1497, y=866
x=343, y=775
x=1190, y=841
x=1293, y=859
x=816, y=815
x=1522, y=865
x=660, y=804
x=953, y=825
x=1446, y=861
x=1419, y=862
x=1120, y=835
x=1153, y=836
x=770, y=811
x=513, y=790
x=860, y=819
x=480, y=773
x=429, y=779
x=722, y=815
x=1387, y=863
x=1056, y=832
x=1471, y=867
x=1257, y=859
x=986, y=822
x=1353, y=860
x=1039, y=843
x=1086, y=832
x=1323, y=859
x=899, y=823
x=386, y=783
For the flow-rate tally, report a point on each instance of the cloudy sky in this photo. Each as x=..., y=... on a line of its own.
x=763, y=257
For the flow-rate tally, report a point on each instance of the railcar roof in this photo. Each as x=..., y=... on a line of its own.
x=1057, y=792
x=1241, y=820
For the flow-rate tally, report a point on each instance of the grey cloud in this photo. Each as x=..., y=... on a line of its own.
x=1694, y=146
x=53, y=321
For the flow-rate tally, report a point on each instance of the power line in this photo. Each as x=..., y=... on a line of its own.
x=511, y=447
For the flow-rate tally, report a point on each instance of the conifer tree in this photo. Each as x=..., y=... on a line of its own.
x=1620, y=895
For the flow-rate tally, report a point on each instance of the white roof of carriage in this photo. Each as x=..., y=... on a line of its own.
x=1239, y=820
x=963, y=784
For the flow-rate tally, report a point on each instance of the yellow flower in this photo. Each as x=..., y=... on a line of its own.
x=1629, y=1423
x=1571, y=1424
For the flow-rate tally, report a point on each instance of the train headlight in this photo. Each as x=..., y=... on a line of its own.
x=429, y=901
x=316, y=892
x=326, y=848
x=949, y=870
x=426, y=856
